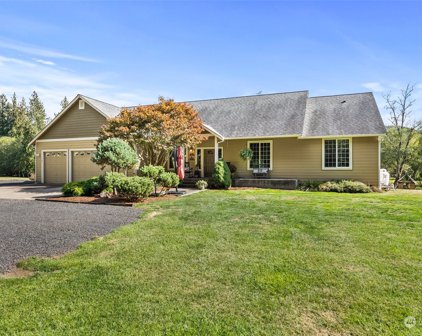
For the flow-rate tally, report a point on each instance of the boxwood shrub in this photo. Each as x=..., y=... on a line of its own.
x=74, y=188
x=135, y=187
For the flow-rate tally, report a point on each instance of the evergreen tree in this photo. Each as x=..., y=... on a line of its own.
x=5, y=116
x=23, y=131
x=36, y=111
x=64, y=103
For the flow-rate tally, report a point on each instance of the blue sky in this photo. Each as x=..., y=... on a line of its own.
x=131, y=52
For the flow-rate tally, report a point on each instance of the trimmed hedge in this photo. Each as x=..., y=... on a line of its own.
x=168, y=180
x=127, y=187
x=135, y=187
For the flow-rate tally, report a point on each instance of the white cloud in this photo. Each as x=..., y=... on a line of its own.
x=41, y=61
x=33, y=50
x=374, y=86
x=53, y=83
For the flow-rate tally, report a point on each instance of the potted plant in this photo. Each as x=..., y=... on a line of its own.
x=202, y=184
x=246, y=154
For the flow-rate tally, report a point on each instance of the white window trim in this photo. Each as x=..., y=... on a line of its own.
x=350, y=155
x=271, y=152
x=68, y=139
x=81, y=104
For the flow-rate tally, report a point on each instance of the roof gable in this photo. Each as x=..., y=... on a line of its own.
x=104, y=109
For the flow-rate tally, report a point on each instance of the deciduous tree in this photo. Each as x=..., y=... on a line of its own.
x=154, y=130
x=401, y=139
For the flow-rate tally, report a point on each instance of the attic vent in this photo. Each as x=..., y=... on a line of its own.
x=343, y=101
x=81, y=104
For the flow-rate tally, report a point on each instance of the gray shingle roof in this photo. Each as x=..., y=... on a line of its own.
x=349, y=114
x=106, y=108
x=252, y=116
x=283, y=114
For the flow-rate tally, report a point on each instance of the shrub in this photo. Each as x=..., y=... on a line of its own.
x=201, y=184
x=152, y=172
x=354, y=187
x=345, y=186
x=330, y=186
x=115, y=153
x=95, y=185
x=168, y=180
x=135, y=187
x=309, y=185
x=221, y=177
x=74, y=188
x=114, y=180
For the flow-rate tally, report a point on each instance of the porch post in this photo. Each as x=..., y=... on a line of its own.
x=215, y=149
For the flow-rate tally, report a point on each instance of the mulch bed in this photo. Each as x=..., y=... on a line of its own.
x=108, y=201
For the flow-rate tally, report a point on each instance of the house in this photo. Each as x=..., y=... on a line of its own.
x=292, y=135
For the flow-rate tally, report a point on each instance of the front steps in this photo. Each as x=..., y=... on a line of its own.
x=190, y=182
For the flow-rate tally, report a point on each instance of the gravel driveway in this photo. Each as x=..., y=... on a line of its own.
x=33, y=228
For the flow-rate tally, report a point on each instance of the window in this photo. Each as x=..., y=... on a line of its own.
x=198, y=158
x=337, y=154
x=220, y=153
x=81, y=104
x=262, y=153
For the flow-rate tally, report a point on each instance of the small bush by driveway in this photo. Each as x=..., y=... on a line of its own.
x=29, y=228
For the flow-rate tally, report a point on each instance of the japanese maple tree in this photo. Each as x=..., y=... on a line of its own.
x=155, y=130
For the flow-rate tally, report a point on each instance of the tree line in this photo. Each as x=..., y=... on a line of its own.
x=20, y=121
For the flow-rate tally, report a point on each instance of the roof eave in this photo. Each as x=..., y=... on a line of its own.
x=340, y=136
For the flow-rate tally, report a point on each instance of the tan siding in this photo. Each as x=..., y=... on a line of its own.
x=207, y=143
x=76, y=123
x=302, y=159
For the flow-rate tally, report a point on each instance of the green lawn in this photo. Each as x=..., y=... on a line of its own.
x=235, y=262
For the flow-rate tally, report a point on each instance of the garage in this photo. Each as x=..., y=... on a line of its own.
x=55, y=163
x=82, y=166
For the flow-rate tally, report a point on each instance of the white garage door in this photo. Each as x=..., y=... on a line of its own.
x=55, y=163
x=82, y=166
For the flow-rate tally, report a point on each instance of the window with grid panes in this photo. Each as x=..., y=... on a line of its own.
x=337, y=153
x=261, y=157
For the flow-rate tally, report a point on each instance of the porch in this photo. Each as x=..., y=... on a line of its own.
x=266, y=183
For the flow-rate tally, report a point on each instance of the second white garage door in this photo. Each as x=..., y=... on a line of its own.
x=82, y=166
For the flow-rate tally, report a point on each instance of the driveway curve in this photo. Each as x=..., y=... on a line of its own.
x=33, y=228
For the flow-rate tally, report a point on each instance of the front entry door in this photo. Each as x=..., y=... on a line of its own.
x=208, y=162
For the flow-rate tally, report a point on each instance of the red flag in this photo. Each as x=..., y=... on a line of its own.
x=180, y=163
